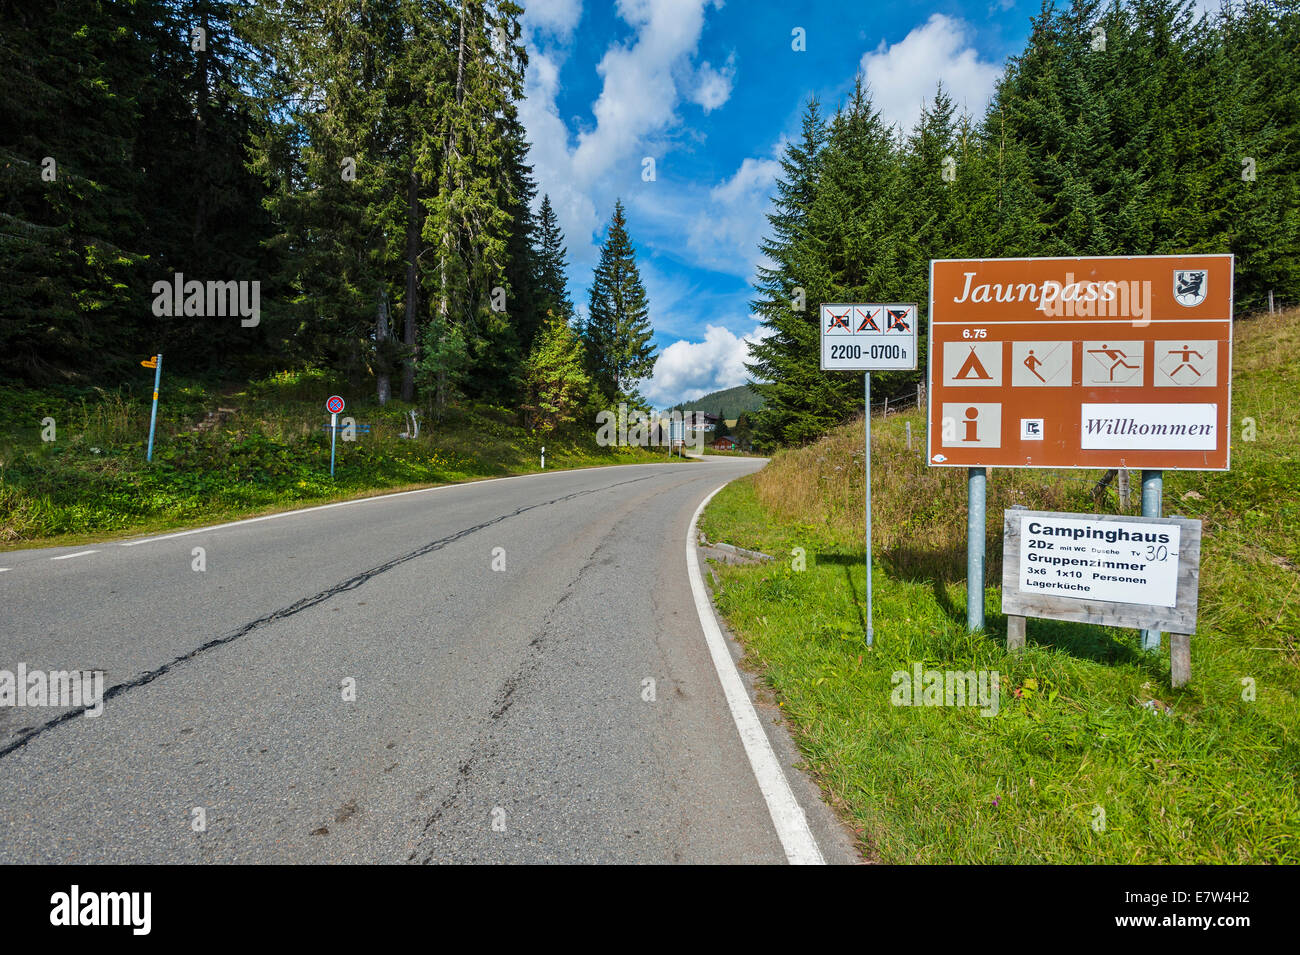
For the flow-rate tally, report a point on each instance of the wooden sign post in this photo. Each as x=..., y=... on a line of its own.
x=1117, y=571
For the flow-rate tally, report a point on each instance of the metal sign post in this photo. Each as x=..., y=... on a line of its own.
x=156, y=364
x=334, y=431
x=868, y=338
x=976, y=514
x=334, y=405
x=866, y=443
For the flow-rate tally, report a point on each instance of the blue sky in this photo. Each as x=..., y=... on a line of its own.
x=712, y=92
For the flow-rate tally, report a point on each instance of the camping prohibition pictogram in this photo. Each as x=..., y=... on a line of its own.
x=838, y=322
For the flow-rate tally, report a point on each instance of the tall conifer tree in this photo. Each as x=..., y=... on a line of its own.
x=617, y=331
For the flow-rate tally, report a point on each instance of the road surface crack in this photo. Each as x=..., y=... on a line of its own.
x=306, y=603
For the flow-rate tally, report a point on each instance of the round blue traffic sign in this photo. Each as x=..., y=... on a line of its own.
x=334, y=405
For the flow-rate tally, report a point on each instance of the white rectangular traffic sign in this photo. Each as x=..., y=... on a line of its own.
x=877, y=337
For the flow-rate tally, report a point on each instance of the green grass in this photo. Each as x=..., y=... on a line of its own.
x=92, y=481
x=1214, y=779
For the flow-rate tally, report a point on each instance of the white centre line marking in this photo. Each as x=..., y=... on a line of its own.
x=787, y=815
x=82, y=553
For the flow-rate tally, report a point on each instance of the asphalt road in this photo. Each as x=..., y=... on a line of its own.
x=500, y=715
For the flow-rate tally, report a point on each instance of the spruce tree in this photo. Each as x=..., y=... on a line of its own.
x=783, y=305
x=552, y=264
x=617, y=332
x=851, y=246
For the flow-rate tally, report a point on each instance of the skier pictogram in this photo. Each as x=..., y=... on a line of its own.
x=1033, y=364
x=1187, y=363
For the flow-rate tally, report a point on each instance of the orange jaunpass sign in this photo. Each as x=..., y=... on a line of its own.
x=1081, y=362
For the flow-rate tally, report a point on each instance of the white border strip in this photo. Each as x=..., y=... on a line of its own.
x=82, y=553
x=787, y=815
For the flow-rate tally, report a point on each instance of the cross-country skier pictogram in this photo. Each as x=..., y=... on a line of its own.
x=1117, y=360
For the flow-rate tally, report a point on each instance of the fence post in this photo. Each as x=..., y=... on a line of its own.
x=1153, y=487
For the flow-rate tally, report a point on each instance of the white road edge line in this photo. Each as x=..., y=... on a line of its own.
x=375, y=497
x=787, y=815
x=82, y=553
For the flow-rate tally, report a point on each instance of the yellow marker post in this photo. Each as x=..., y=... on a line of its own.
x=155, y=363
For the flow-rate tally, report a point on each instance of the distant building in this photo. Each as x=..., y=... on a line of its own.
x=724, y=444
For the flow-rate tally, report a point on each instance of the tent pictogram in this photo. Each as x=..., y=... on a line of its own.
x=972, y=365
x=971, y=368
x=868, y=321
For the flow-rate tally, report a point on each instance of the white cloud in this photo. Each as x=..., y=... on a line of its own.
x=640, y=95
x=686, y=370
x=905, y=75
x=549, y=153
x=557, y=17
x=645, y=79
x=753, y=178
x=724, y=231
x=713, y=87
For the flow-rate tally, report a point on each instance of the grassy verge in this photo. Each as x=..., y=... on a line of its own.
x=1091, y=756
x=222, y=455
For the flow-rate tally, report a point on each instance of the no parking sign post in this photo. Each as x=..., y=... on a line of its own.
x=334, y=405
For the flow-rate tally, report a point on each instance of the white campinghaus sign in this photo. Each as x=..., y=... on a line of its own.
x=1116, y=561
